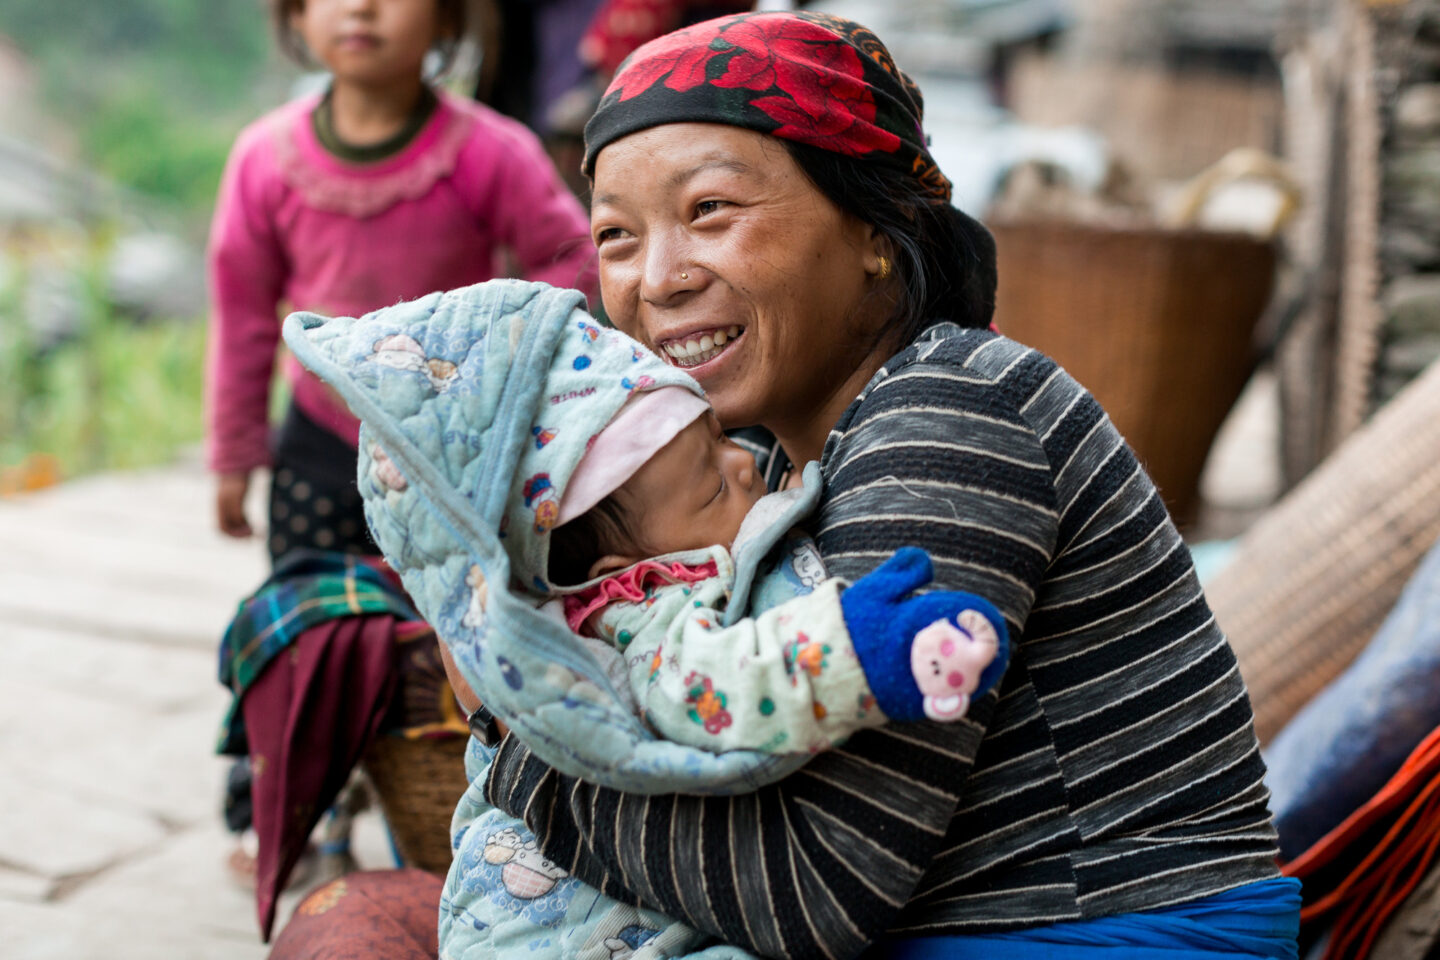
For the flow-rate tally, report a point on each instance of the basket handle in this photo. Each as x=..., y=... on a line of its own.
x=1242, y=163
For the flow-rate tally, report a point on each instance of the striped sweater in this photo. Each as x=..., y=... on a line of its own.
x=1116, y=768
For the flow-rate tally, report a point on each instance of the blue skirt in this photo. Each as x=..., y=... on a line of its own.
x=1258, y=921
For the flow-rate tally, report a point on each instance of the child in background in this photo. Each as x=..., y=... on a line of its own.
x=702, y=603
x=382, y=189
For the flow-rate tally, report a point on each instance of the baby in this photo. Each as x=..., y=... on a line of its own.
x=623, y=510
x=648, y=521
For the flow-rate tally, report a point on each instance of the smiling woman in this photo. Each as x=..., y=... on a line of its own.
x=766, y=178
x=762, y=182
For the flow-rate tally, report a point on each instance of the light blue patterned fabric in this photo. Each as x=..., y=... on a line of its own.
x=469, y=433
x=503, y=900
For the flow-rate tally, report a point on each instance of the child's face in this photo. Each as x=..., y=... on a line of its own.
x=368, y=41
x=693, y=493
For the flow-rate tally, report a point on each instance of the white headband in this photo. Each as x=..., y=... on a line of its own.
x=646, y=423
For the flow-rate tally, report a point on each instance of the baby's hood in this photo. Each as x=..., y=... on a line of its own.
x=475, y=407
x=478, y=403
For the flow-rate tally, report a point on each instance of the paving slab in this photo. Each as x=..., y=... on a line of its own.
x=158, y=678
x=114, y=591
x=176, y=894
x=22, y=887
x=166, y=615
x=159, y=764
x=53, y=932
x=51, y=832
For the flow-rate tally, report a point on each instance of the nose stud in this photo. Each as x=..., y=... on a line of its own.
x=684, y=275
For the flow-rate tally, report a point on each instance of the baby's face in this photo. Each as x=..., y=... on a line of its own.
x=694, y=492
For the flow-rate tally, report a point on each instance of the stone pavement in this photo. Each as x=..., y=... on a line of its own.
x=114, y=591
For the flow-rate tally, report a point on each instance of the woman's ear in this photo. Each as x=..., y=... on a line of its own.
x=877, y=252
x=611, y=563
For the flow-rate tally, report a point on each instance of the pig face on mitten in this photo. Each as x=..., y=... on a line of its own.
x=947, y=660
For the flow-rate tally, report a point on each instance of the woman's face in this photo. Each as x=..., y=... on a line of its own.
x=717, y=252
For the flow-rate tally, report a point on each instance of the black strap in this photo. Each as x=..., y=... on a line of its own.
x=484, y=727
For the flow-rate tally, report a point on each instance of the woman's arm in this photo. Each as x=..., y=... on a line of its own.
x=820, y=864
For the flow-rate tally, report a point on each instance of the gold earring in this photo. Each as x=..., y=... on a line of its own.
x=684, y=275
x=884, y=267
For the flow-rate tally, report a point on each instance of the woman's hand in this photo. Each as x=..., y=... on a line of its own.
x=230, y=491
x=469, y=702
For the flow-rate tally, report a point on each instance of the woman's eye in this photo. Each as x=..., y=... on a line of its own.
x=608, y=233
x=706, y=207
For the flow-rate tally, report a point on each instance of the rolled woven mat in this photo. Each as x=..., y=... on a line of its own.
x=1312, y=580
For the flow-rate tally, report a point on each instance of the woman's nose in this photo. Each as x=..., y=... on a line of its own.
x=665, y=271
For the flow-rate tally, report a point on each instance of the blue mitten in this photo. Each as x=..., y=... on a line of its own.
x=928, y=655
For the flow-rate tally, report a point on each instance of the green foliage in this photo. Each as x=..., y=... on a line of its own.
x=156, y=89
x=140, y=141
x=218, y=44
x=120, y=395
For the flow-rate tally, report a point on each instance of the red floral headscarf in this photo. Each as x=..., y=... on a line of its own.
x=808, y=77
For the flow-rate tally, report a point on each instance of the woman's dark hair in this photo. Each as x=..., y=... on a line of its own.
x=944, y=261
x=575, y=546
x=450, y=15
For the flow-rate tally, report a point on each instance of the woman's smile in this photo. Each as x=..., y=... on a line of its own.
x=695, y=349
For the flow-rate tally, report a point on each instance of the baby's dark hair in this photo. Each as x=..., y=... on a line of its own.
x=450, y=15
x=575, y=546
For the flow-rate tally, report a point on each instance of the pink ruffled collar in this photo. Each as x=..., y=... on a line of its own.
x=366, y=189
x=628, y=586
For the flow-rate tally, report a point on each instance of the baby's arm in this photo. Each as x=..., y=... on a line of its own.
x=806, y=674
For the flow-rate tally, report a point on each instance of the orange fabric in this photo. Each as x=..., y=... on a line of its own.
x=1364, y=897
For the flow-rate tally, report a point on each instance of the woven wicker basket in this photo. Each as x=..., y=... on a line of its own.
x=1315, y=577
x=1156, y=323
x=419, y=782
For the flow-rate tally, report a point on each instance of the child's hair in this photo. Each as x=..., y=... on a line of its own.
x=601, y=530
x=451, y=18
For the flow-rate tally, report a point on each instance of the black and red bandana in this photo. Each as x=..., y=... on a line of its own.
x=809, y=77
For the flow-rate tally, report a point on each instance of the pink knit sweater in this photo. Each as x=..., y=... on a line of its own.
x=297, y=228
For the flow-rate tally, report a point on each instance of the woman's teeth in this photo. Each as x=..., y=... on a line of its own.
x=692, y=353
